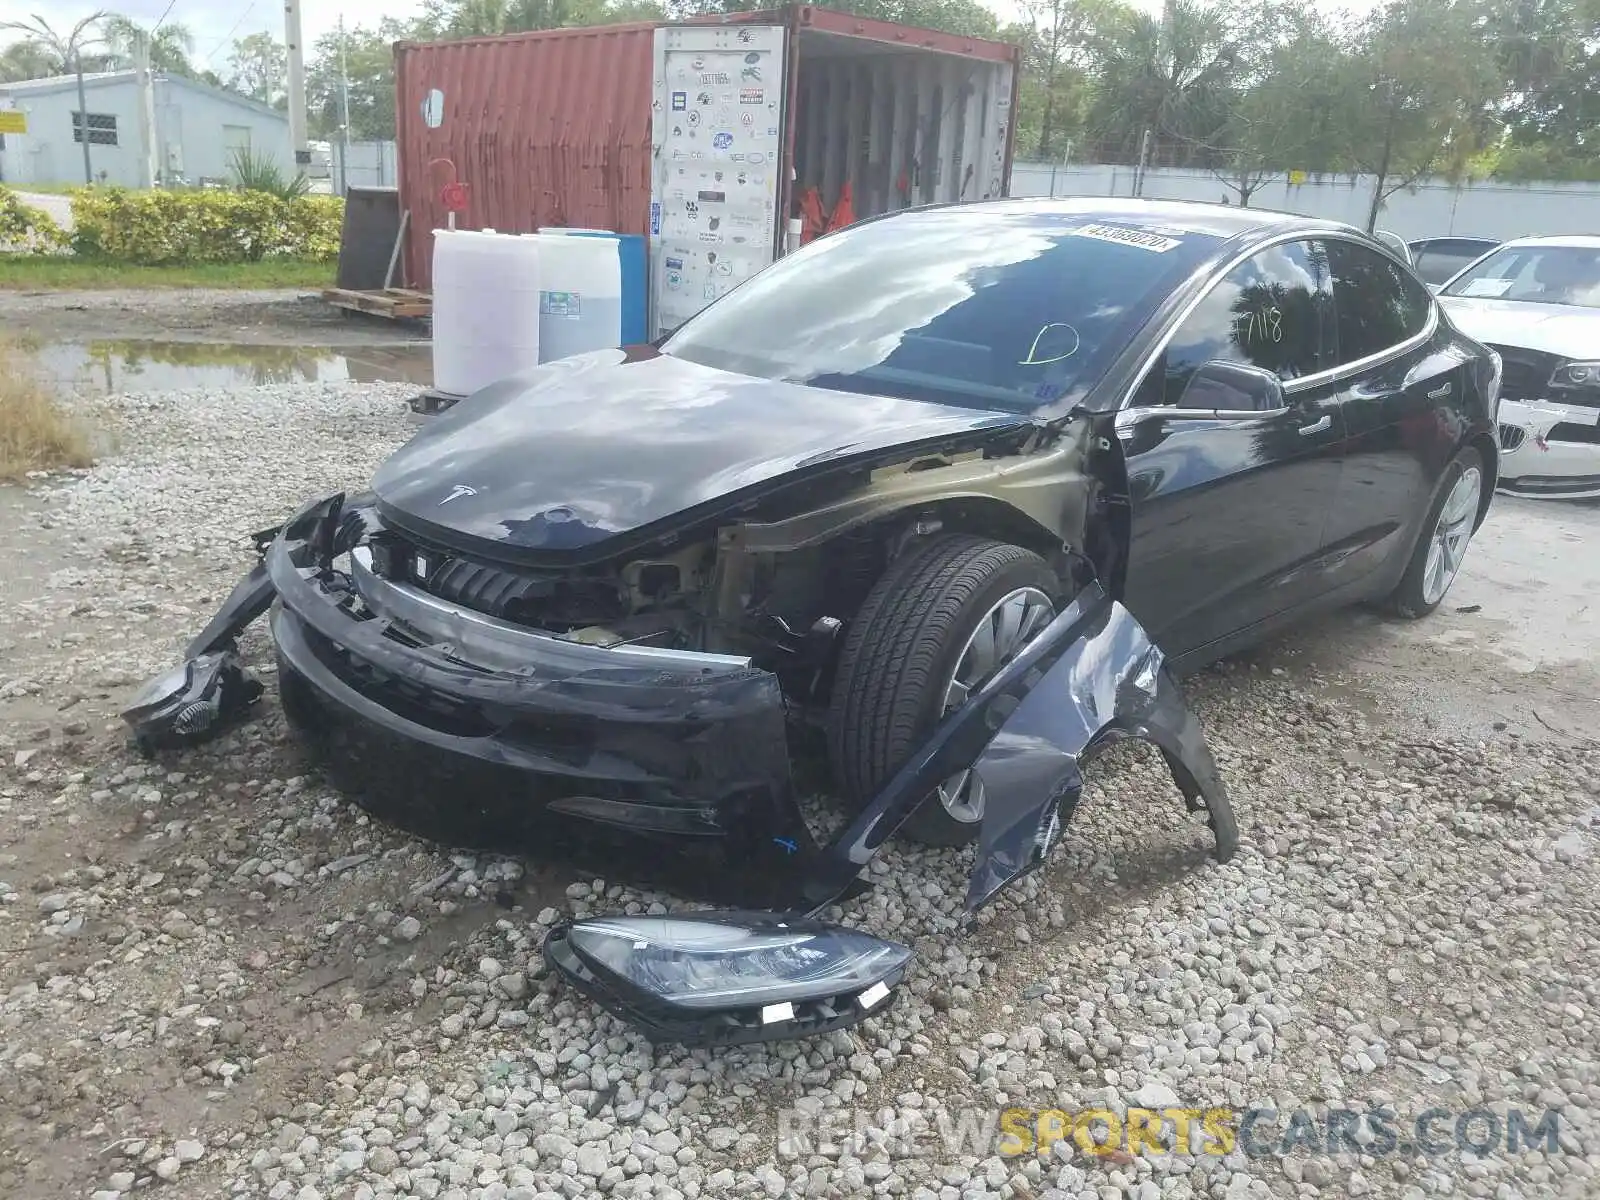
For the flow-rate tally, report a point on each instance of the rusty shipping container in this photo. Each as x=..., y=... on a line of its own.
x=702, y=135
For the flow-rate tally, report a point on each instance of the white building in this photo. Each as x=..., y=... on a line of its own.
x=197, y=129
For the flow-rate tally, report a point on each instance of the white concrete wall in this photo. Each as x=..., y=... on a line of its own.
x=48, y=153
x=193, y=120
x=1496, y=210
x=189, y=132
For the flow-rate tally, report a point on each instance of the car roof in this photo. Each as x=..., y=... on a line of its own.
x=1573, y=241
x=1445, y=239
x=1216, y=220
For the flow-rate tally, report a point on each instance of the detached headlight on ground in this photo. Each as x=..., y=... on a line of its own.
x=191, y=702
x=724, y=978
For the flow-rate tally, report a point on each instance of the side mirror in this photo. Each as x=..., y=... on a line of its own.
x=1232, y=387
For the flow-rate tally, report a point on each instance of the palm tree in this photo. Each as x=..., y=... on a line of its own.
x=1167, y=74
x=67, y=51
x=170, y=44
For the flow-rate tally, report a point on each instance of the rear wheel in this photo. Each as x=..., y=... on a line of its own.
x=1440, y=550
x=939, y=624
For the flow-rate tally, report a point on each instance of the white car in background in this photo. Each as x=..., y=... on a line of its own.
x=1536, y=301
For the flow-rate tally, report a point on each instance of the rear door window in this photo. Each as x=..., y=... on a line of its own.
x=1379, y=303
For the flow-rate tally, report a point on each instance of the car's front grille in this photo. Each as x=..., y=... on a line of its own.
x=1512, y=437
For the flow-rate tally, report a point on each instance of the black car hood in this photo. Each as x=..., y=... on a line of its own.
x=583, y=450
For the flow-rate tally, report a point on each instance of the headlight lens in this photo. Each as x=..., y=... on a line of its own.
x=711, y=961
x=1576, y=374
x=165, y=686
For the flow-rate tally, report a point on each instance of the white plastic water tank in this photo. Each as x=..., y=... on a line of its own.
x=580, y=298
x=485, y=307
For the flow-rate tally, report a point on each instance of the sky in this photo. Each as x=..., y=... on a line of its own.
x=217, y=23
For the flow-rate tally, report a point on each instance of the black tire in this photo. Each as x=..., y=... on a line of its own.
x=901, y=649
x=1406, y=601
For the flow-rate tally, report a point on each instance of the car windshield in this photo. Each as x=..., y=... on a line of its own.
x=1537, y=274
x=976, y=308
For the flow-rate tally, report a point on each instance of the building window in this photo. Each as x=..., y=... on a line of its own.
x=102, y=128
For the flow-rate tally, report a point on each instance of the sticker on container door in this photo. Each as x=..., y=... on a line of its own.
x=560, y=304
x=752, y=96
x=680, y=101
x=722, y=141
x=655, y=219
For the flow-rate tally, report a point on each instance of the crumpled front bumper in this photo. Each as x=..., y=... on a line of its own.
x=687, y=750
x=1542, y=454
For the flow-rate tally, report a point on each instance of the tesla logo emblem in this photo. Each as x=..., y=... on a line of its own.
x=457, y=492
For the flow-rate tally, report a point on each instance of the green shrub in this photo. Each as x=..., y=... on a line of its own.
x=261, y=173
x=155, y=228
x=26, y=229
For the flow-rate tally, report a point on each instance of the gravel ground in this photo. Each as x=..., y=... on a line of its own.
x=219, y=978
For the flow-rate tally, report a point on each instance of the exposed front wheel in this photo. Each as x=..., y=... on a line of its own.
x=1446, y=533
x=940, y=623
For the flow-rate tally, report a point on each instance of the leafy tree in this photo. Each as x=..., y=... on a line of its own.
x=1418, y=94
x=1548, y=52
x=369, y=62
x=1282, y=120
x=27, y=60
x=258, y=68
x=486, y=18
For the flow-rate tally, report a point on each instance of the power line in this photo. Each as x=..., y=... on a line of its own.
x=164, y=14
x=228, y=37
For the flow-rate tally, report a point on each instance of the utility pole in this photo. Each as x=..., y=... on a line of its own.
x=83, y=114
x=145, y=89
x=344, y=114
x=297, y=84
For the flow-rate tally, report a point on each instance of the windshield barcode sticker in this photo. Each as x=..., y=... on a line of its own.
x=1129, y=237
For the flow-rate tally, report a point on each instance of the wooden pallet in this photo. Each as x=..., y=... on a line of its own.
x=395, y=303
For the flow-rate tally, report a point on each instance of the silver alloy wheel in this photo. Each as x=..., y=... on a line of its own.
x=1004, y=630
x=1448, y=544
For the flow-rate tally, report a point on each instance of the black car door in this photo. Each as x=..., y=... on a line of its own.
x=1230, y=495
x=1401, y=387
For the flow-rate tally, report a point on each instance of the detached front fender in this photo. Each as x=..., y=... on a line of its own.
x=1091, y=678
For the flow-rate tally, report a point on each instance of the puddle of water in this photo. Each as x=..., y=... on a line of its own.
x=137, y=366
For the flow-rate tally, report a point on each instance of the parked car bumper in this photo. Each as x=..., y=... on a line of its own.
x=1549, y=450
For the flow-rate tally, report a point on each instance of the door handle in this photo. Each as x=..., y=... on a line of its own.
x=1317, y=426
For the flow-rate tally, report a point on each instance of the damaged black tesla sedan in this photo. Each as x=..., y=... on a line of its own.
x=960, y=489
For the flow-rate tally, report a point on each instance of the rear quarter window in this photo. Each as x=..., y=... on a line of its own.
x=1379, y=303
